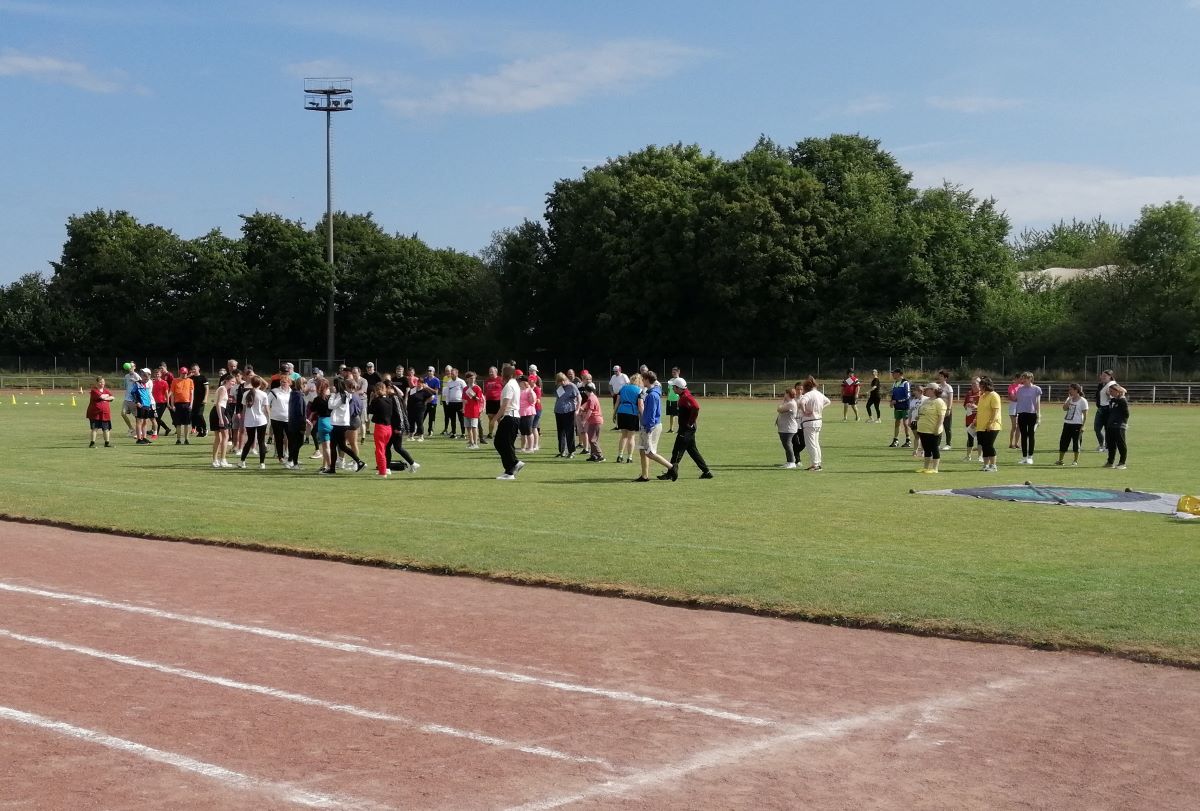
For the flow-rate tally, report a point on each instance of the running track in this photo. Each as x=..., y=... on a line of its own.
x=140, y=674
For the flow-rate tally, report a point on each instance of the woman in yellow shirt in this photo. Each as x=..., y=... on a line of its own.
x=931, y=415
x=987, y=423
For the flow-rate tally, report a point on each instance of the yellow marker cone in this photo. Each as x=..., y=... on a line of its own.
x=72, y=401
x=14, y=399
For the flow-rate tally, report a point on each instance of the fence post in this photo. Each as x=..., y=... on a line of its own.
x=726, y=389
x=773, y=394
x=751, y=391
x=703, y=389
x=1153, y=393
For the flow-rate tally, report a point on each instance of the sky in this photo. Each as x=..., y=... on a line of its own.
x=189, y=114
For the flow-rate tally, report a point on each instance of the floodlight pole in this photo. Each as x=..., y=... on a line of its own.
x=329, y=96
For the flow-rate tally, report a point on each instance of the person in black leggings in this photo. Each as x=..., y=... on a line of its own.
x=1114, y=431
x=1029, y=414
x=873, y=397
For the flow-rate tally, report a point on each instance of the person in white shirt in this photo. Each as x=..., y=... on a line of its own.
x=255, y=419
x=787, y=423
x=1103, y=397
x=615, y=383
x=339, y=416
x=506, y=430
x=452, y=400
x=946, y=392
x=811, y=404
x=1075, y=409
x=129, y=406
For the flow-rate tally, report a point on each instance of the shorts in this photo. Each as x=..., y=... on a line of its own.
x=101, y=425
x=181, y=416
x=900, y=413
x=129, y=407
x=324, y=429
x=215, y=420
x=525, y=424
x=537, y=420
x=355, y=423
x=628, y=422
x=849, y=399
x=492, y=407
x=1012, y=409
x=471, y=422
x=144, y=413
x=672, y=408
x=648, y=440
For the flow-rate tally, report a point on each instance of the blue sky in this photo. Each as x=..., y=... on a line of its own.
x=188, y=114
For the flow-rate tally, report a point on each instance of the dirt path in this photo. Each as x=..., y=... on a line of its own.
x=143, y=674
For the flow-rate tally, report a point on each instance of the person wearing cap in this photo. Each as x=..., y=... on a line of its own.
x=615, y=383
x=1114, y=430
x=535, y=383
x=434, y=384
x=685, y=437
x=931, y=416
x=179, y=400
x=672, y=398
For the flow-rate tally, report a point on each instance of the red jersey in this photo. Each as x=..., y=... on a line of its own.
x=473, y=402
x=850, y=386
x=969, y=402
x=493, y=387
x=98, y=409
x=689, y=410
x=160, y=388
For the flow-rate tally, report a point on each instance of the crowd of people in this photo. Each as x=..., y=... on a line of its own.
x=252, y=413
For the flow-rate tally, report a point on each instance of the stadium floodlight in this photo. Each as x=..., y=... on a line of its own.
x=329, y=96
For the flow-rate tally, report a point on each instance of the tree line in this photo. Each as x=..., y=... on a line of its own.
x=824, y=247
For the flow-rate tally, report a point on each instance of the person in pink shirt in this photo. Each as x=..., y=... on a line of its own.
x=591, y=420
x=1014, y=431
x=526, y=409
x=535, y=383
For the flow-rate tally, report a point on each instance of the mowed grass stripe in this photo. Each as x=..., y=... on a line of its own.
x=848, y=544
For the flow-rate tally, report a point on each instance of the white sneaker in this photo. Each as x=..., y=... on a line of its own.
x=989, y=469
x=262, y=465
x=217, y=465
x=790, y=466
x=945, y=447
x=506, y=477
x=316, y=455
x=414, y=467
x=1101, y=449
x=1121, y=467
x=383, y=475
x=1074, y=464
x=241, y=465
x=289, y=465
x=1029, y=460
x=517, y=469
x=225, y=463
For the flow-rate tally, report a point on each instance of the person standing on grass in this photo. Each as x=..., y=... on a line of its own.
x=915, y=398
x=1014, y=430
x=850, y=390
x=592, y=420
x=1103, y=395
x=161, y=392
x=525, y=413
x=672, y=398
x=434, y=384
x=255, y=419
x=931, y=416
x=279, y=406
x=507, y=427
x=650, y=419
x=322, y=418
x=473, y=399
x=627, y=417
x=812, y=402
x=946, y=392
x=685, y=438
x=1074, y=418
x=970, y=403
x=1029, y=415
x=1114, y=429
x=615, y=383
x=145, y=408
x=397, y=391
x=452, y=395
x=787, y=423
x=358, y=388
x=988, y=421
x=341, y=404
x=535, y=383
x=901, y=392
x=99, y=412
x=179, y=400
x=380, y=409
x=129, y=405
x=371, y=377
x=493, y=385
x=416, y=401
x=566, y=405
x=219, y=420
x=873, y=397
x=199, y=401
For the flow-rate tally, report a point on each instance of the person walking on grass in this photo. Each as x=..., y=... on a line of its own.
x=129, y=405
x=508, y=425
x=988, y=421
x=1029, y=415
x=526, y=411
x=1075, y=409
x=255, y=419
x=179, y=400
x=566, y=405
x=219, y=420
x=626, y=404
x=650, y=423
x=341, y=405
x=901, y=392
x=946, y=392
x=321, y=416
x=1103, y=396
x=787, y=424
x=592, y=420
x=380, y=408
x=99, y=412
x=1114, y=428
x=400, y=426
x=873, y=397
x=850, y=389
x=685, y=438
x=812, y=402
x=931, y=416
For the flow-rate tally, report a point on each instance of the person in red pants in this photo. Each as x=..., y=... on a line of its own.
x=380, y=408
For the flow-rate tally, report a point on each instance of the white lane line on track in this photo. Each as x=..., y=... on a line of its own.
x=791, y=734
x=297, y=698
x=383, y=653
x=287, y=792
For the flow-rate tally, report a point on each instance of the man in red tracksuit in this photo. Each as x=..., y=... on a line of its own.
x=685, y=439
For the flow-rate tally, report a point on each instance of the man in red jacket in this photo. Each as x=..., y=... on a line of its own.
x=685, y=439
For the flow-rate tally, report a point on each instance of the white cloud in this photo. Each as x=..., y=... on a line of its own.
x=1038, y=194
x=553, y=80
x=61, y=71
x=868, y=104
x=973, y=104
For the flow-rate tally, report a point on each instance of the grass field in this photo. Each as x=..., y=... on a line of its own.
x=847, y=545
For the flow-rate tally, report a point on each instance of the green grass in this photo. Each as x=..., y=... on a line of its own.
x=847, y=545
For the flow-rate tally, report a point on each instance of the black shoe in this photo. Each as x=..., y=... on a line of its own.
x=92, y=444
x=706, y=474
x=142, y=442
x=670, y=430
x=186, y=442
x=665, y=477
x=907, y=443
x=108, y=444
x=895, y=443
x=178, y=441
x=359, y=466
x=641, y=479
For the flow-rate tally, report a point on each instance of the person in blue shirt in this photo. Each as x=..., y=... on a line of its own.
x=628, y=406
x=146, y=415
x=650, y=423
x=435, y=385
x=901, y=392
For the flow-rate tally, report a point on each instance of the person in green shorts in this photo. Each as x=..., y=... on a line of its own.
x=672, y=400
